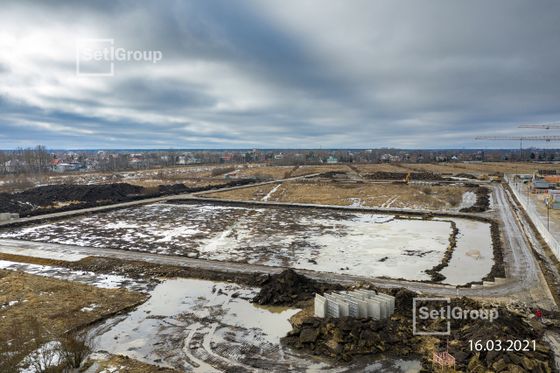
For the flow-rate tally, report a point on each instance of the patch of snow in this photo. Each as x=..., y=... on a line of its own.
x=356, y=202
x=46, y=356
x=468, y=200
x=87, y=277
x=89, y=308
x=45, y=254
x=272, y=191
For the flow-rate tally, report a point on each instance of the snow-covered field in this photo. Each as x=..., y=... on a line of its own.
x=86, y=277
x=322, y=240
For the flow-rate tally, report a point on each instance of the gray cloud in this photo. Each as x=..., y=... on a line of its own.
x=279, y=74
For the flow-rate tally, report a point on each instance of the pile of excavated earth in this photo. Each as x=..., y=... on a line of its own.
x=347, y=338
x=290, y=288
x=383, y=175
x=64, y=197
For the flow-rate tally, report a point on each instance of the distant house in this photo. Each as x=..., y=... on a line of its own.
x=541, y=186
x=390, y=158
x=62, y=167
x=332, y=160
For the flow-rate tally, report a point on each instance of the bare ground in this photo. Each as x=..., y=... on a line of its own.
x=36, y=309
x=359, y=194
x=124, y=364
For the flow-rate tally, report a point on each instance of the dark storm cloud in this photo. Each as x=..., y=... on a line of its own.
x=280, y=74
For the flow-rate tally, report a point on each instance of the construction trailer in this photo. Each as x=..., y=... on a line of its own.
x=360, y=303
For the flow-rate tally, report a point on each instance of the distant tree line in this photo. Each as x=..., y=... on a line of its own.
x=25, y=160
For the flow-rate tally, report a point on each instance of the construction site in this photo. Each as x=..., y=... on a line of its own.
x=207, y=274
x=272, y=186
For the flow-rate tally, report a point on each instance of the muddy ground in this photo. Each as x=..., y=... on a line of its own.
x=423, y=176
x=121, y=364
x=347, y=338
x=315, y=239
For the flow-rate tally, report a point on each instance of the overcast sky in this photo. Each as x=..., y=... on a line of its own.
x=290, y=74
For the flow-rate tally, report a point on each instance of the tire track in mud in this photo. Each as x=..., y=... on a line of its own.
x=194, y=361
x=211, y=361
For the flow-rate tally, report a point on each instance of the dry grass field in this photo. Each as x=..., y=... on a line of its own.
x=272, y=172
x=354, y=194
x=385, y=167
x=477, y=168
x=308, y=170
x=35, y=310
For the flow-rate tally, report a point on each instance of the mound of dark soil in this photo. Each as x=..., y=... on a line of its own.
x=508, y=326
x=46, y=199
x=46, y=196
x=466, y=176
x=331, y=174
x=288, y=288
x=172, y=189
x=382, y=175
x=425, y=176
x=345, y=338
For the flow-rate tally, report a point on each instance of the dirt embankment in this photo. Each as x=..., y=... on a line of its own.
x=141, y=269
x=466, y=176
x=290, y=288
x=348, y=338
x=482, y=200
x=498, y=269
x=383, y=175
x=435, y=274
x=64, y=197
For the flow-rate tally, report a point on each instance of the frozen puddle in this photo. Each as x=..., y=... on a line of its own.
x=206, y=326
x=86, y=277
x=473, y=256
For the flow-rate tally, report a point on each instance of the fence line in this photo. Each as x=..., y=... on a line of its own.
x=531, y=211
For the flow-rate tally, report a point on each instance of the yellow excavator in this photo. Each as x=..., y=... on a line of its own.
x=407, y=178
